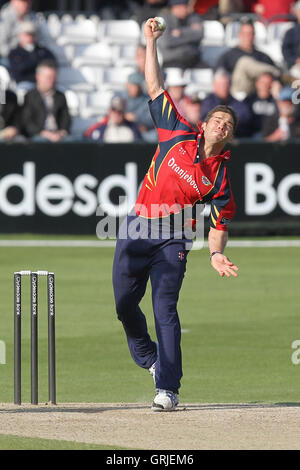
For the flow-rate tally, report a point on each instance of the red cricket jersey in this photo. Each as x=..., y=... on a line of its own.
x=176, y=179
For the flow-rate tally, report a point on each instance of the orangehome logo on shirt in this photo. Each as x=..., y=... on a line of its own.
x=183, y=174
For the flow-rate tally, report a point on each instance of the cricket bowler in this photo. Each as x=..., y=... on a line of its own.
x=188, y=169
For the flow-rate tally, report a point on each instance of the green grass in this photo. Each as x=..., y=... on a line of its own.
x=237, y=347
x=8, y=442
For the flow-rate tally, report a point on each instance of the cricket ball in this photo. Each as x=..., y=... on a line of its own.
x=161, y=24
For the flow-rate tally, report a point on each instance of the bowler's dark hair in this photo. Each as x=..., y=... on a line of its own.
x=224, y=109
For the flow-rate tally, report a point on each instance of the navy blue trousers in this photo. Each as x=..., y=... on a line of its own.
x=164, y=262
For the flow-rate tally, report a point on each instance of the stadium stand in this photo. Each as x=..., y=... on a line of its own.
x=96, y=56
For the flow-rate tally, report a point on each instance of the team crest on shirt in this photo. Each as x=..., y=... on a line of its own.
x=205, y=181
x=181, y=255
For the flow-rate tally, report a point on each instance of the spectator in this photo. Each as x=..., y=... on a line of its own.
x=208, y=9
x=275, y=10
x=229, y=59
x=180, y=44
x=291, y=41
x=11, y=15
x=149, y=9
x=221, y=95
x=45, y=115
x=9, y=118
x=192, y=110
x=247, y=70
x=229, y=7
x=285, y=123
x=261, y=104
x=24, y=59
x=114, y=128
x=245, y=63
x=218, y=9
x=137, y=108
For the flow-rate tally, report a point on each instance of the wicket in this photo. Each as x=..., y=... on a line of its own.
x=34, y=275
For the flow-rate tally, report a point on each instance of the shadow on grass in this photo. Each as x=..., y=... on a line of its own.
x=237, y=406
x=69, y=409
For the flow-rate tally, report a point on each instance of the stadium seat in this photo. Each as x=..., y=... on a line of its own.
x=231, y=33
x=119, y=31
x=94, y=54
x=115, y=78
x=211, y=54
x=84, y=79
x=80, y=125
x=82, y=17
x=72, y=102
x=54, y=25
x=66, y=18
x=276, y=31
x=97, y=104
x=201, y=78
x=273, y=44
x=213, y=33
x=77, y=32
x=95, y=18
x=93, y=74
x=260, y=33
x=5, y=79
x=63, y=54
x=125, y=55
x=274, y=51
x=174, y=75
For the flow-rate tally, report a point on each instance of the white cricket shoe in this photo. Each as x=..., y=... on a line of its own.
x=164, y=400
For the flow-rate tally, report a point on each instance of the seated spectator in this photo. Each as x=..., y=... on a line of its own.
x=114, y=128
x=291, y=41
x=278, y=10
x=137, y=108
x=208, y=9
x=45, y=115
x=180, y=43
x=245, y=63
x=261, y=104
x=221, y=95
x=285, y=123
x=245, y=47
x=218, y=9
x=192, y=110
x=24, y=59
x=12, y=14
x=246, y=72
x=149, y=9
x=9, y=118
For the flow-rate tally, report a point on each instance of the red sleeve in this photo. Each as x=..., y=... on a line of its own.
x=168, y=122
x=222, y=206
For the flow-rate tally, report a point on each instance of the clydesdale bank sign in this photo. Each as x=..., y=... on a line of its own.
x=59, y=189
